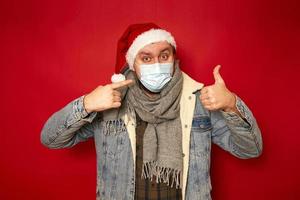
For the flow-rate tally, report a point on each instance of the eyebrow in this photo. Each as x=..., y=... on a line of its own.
x=165, y=49
x=149, y=53
x=145, y=53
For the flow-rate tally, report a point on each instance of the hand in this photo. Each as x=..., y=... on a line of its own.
x=217, y=96
x=105, y=97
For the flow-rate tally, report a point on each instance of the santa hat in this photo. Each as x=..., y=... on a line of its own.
x=133, y=39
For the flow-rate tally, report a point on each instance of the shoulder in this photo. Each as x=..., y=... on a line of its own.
x=189, y=84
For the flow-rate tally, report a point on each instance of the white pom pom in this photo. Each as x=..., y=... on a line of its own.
x=117, y=78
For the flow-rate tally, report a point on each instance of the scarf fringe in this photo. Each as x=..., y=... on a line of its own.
x=163, y=174
x=114, y=126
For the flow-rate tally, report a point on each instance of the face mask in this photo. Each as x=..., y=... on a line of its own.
x=155, y=76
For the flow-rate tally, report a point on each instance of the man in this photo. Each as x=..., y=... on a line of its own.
x=153, y=131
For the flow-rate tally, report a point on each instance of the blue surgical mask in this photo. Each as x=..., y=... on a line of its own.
x=155, y=76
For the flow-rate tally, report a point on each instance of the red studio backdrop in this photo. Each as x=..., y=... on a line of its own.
x=53, y=51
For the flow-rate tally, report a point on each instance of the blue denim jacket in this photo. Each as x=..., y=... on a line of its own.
x=115, y=152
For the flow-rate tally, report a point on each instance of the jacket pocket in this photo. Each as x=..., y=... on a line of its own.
x=201, y=135
x=201, y=123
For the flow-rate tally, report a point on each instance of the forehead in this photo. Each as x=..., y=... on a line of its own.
x=156, y=47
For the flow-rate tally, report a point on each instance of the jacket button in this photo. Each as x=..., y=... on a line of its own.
x=185, y=126
x=190, y=97
x=183, y=155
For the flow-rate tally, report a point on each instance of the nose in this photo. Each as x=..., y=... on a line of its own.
x=156, y=59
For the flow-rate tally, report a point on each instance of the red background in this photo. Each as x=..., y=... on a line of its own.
x=55, y=51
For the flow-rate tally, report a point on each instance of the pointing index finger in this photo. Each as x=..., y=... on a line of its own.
x=121, y=84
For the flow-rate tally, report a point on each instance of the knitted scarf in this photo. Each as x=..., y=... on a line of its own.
x=162, y=142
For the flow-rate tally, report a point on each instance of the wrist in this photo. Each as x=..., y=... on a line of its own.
x=231, y=107
x=86, y=104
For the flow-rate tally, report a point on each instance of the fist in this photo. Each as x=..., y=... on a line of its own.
x=217, y=96
x=105, y=97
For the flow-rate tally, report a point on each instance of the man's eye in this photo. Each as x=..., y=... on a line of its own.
x=146, y=59
x=164, y=57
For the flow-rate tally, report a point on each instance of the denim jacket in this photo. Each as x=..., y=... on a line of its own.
x=116, y=152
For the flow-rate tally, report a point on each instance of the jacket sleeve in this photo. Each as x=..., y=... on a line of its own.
x=240, y=136
x=68, y=126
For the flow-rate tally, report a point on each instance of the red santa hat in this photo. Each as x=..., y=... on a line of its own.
x=135, y=38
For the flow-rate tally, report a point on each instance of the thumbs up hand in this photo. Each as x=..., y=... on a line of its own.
x=217, y=96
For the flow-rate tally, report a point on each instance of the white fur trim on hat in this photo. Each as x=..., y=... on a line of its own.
x=117, y=78
x=145, y=38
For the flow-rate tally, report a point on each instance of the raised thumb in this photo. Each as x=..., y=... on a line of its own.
x=217, y=75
